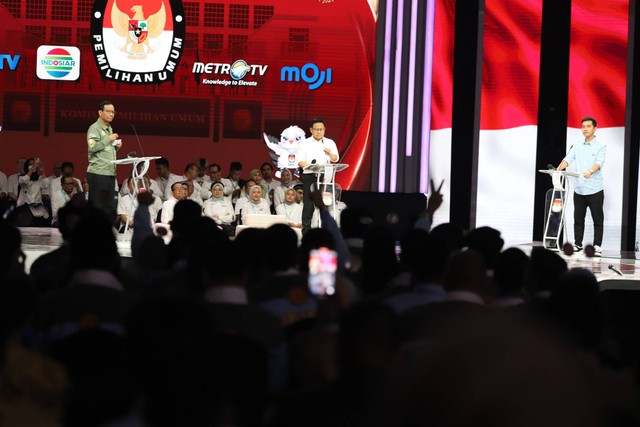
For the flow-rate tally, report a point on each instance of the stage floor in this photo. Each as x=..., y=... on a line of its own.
x=38, y=241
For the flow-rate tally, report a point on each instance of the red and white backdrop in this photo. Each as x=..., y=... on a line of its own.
x=509, y=107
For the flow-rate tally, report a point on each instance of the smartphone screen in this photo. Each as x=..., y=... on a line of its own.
x=323, y=263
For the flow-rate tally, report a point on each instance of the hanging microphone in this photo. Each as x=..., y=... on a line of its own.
x=138, y=138
x=612, y=268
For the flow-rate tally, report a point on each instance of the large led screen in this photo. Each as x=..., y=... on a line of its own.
x=193, y=79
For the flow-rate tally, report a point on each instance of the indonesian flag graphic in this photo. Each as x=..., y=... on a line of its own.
x=509, y=108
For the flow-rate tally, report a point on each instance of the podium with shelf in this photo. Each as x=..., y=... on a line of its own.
x=140, y=168
x=325, y=176
x=556, y=198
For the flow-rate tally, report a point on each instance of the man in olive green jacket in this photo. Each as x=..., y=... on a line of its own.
x=102, y=144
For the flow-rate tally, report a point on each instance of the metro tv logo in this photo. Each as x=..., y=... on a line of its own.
x=11, y=60
x=309, y=73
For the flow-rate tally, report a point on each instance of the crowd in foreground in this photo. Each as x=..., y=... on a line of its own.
x=456, y=330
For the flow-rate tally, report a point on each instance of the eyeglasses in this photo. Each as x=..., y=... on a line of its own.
x=109, y=112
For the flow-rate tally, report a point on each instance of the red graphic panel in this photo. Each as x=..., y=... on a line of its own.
x=598, y=63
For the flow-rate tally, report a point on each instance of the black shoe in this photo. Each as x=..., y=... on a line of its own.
x=577, y=248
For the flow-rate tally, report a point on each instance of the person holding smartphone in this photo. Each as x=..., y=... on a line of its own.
x=102, y=144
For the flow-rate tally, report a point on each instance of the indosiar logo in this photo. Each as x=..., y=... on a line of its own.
x=58, y=63
x=309, y=73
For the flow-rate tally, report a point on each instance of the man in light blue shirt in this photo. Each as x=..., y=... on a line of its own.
x=589, y=156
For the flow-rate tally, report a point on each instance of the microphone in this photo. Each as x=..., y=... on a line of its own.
x=129, y=155
x=313, y=162
x=138, y=138
x=612, y=268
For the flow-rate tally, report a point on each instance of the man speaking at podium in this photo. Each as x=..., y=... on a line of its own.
x=102, y=144
x=589, y=156
x=316, y=150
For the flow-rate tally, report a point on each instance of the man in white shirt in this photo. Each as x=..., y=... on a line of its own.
x=179, y=191
x=165, y=178
x=4, y=186
x=316, y=150
x=266, y=169
x=12, y=181
x=191, y=174
x=62, y=196
x=67, y=169
x=233, y=184
x=128, y=203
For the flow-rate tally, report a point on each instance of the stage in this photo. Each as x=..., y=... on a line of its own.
x=38, y=241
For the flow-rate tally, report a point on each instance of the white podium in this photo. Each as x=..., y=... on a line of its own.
x=326, y=174
x=555, y=215
x=140, y=168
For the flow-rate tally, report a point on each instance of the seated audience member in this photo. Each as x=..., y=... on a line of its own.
x=179, y=191
x=34, y=389
x=283, y=290
x=285, y=183
x=243, y=198
x=299, y=193
x=234, y=184
x=62, y=196
x=256, y=176
x=12, y=181
x=266, y=169
x=149, y=184
x=508, y=278
x=379, y=261
x=256, y=204
x=165, y=178
x=199, y=194
x=487, y=242
x=217, y=271
x=93, y=298
x=172, y=333
x=4, y=193
x=128, y=203
x=202, y=168
x=220, y=209
x=214, y=174
x=50, y=271
x=290, y=209
x=542, y=275
x=66, y=169
x=427, y=259
x=30, y=210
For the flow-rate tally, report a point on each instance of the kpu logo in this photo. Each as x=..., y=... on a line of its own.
x=137, y=41
x=310, y=73
x=11, y=60
x=58, y=63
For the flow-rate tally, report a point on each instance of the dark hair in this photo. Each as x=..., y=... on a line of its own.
x=181, y=183
x=103, y=103
x=25, y=167
x=189, y=166
x=66, y=165
x=266, y=163
x=235, y=166
x=214, y=164
x=162, y=161
x=316, y=120
x=589, y=118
